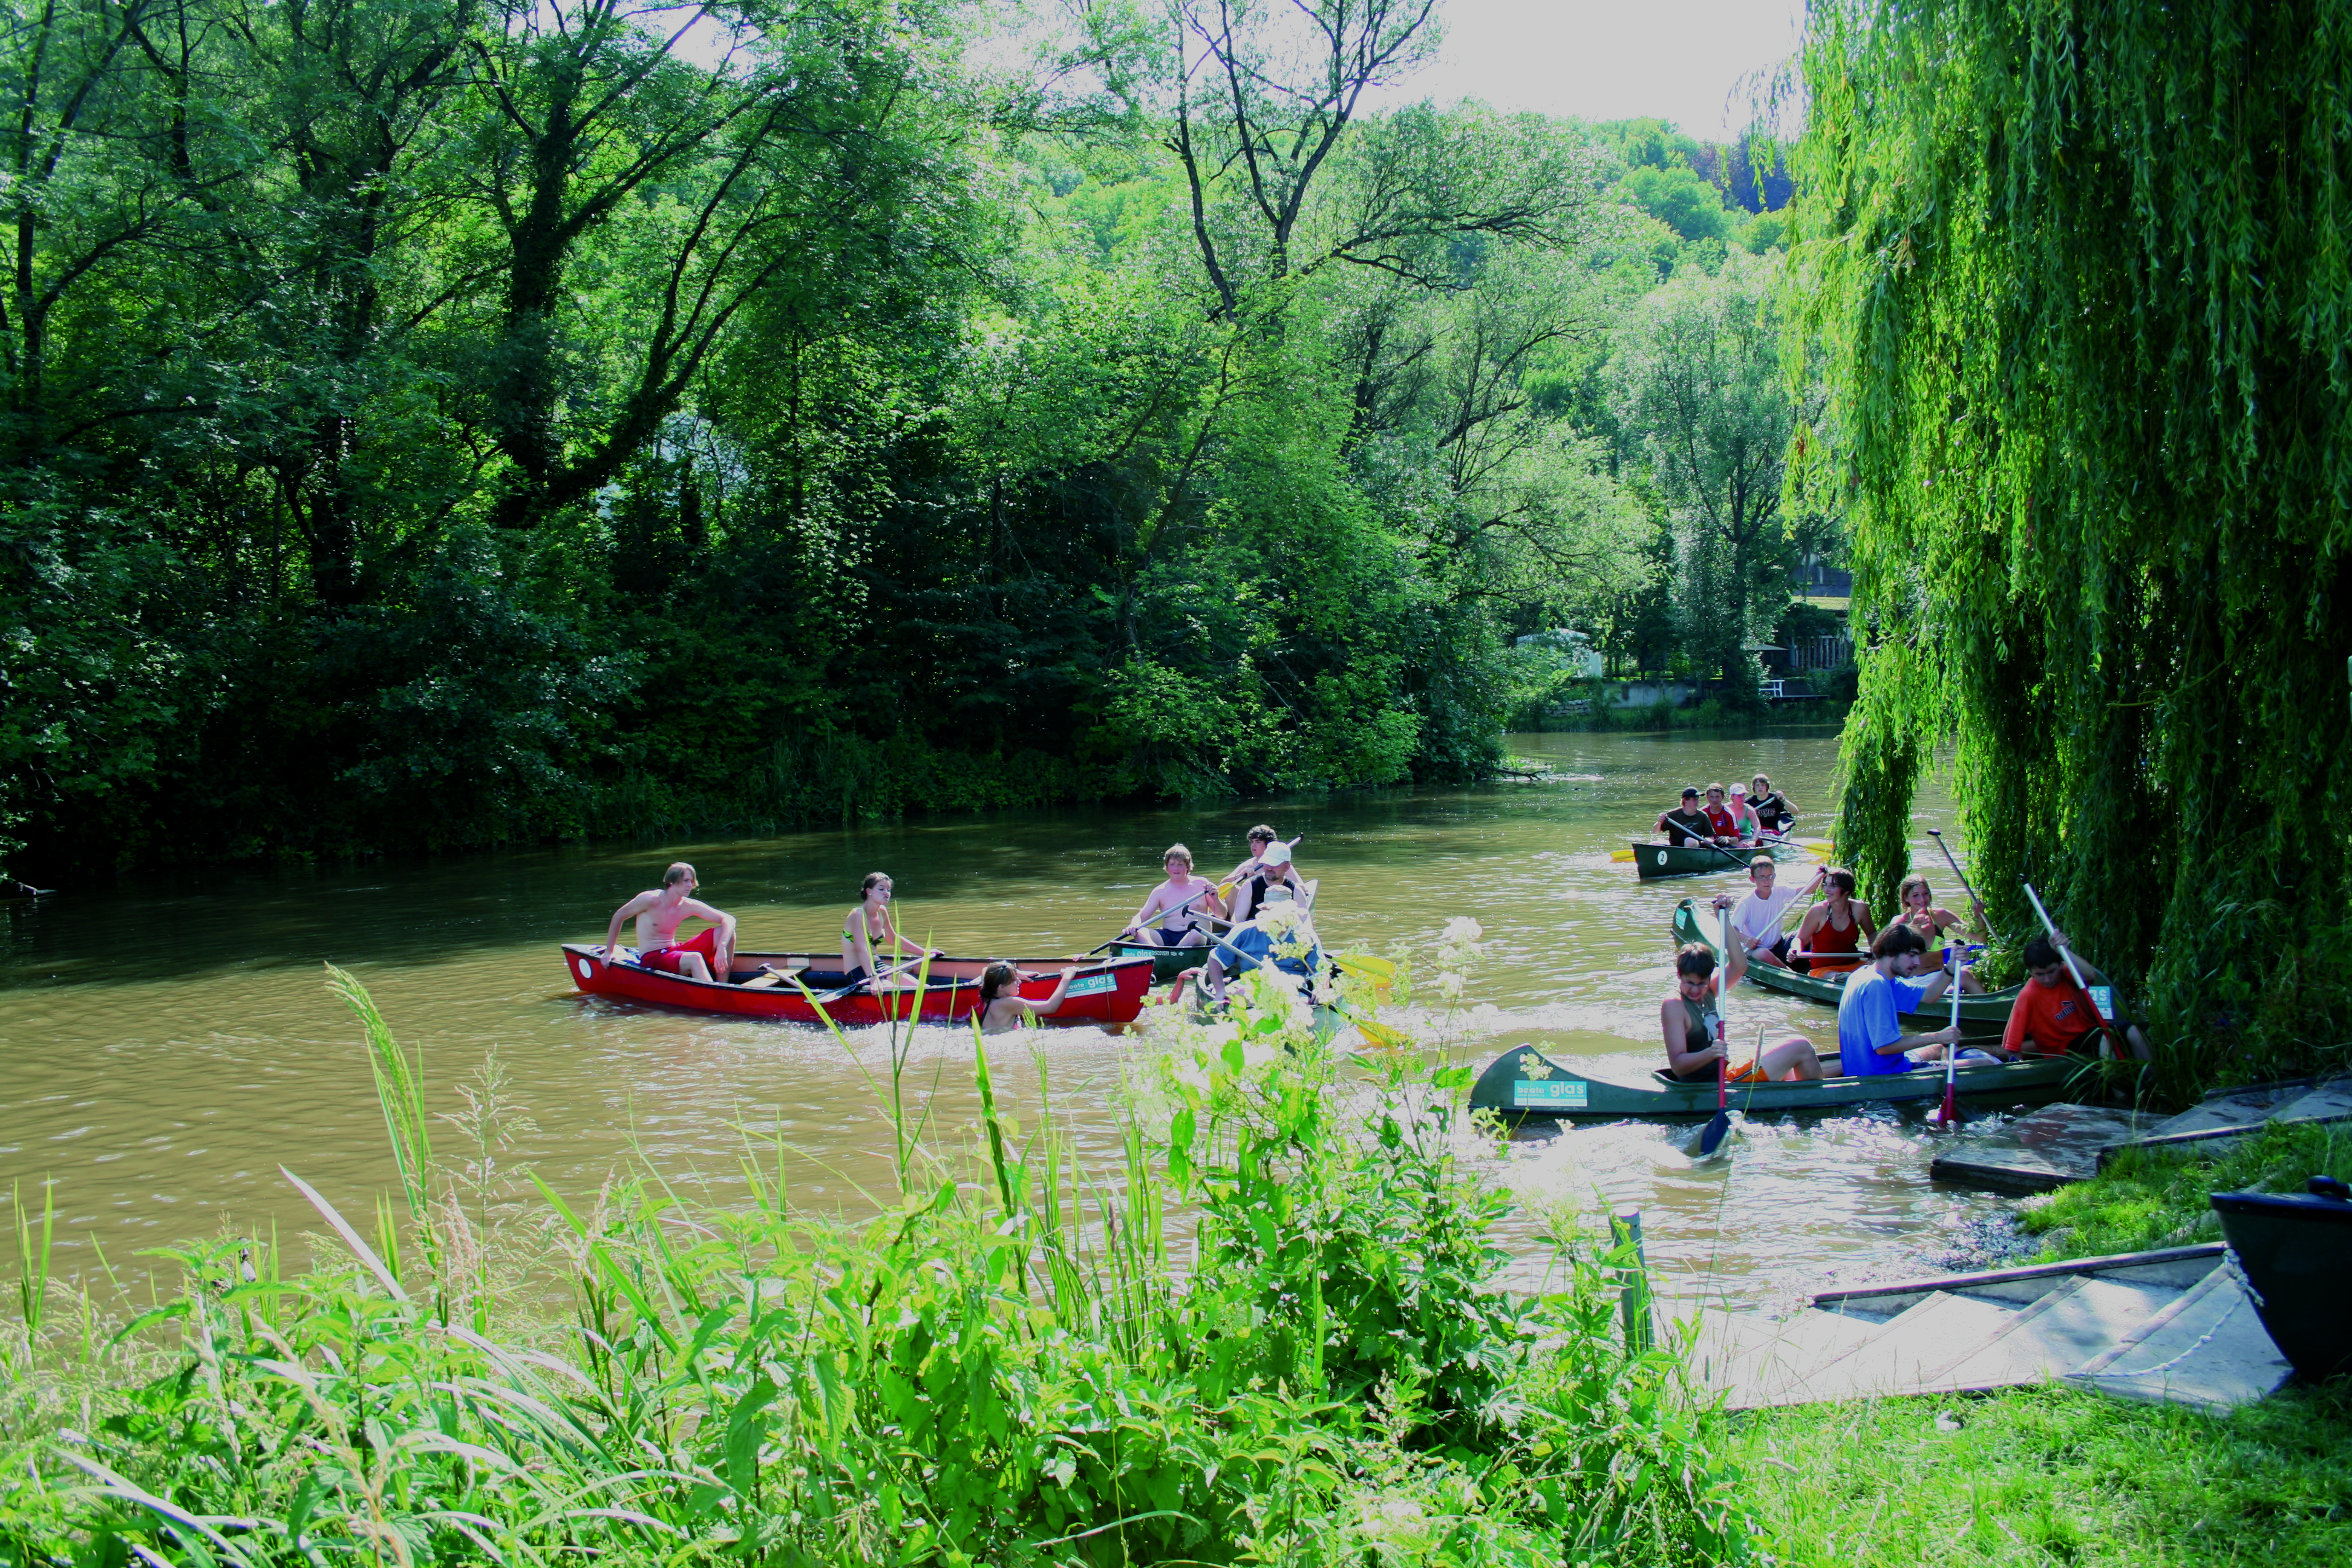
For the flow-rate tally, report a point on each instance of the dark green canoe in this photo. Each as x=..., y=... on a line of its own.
x=1167, y=963
x=1526, y=1082
x=1654, y=860
x=1985, y=1015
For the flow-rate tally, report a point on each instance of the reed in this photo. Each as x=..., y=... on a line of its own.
x=1003, y=1365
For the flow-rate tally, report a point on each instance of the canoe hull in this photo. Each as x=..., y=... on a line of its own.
x=1985, y=1015
x=1652, y=861
x=1167, y=963
x=1525, y=1082
x=1106, y=990
x=2296, y=1251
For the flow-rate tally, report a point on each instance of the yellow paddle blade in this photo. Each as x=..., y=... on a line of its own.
x=1622, y=855
x=1382, y=1034
x=1381, y=971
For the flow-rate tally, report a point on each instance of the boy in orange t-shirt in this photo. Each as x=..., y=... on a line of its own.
x=2053, y=1016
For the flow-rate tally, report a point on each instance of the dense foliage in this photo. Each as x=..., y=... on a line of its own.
x=435, y=422
x=1015, y=1362
x=2081, y=272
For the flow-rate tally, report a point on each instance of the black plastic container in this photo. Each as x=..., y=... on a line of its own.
x=2296, y=1251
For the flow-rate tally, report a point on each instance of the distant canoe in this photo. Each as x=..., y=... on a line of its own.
x=1985, y=1015
x=1526, y=1082
x=1652, y=861
x=1106, y=990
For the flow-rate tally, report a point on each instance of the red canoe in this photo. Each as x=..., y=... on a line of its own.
x=1104, y=991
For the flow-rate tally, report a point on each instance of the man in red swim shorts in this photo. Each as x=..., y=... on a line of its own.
x=660, y=912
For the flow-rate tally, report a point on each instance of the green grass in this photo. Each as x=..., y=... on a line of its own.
x=2157, y=1197
x=1009, y=1364
x=2051, y=1475
x=2043, y=1476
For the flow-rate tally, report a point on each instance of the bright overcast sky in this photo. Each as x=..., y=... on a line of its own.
x=1612, y=59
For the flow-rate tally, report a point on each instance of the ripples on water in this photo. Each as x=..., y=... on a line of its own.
x=169, y=1041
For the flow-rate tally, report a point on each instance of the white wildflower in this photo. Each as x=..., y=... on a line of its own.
x=1460, y=931
x=1449, y=986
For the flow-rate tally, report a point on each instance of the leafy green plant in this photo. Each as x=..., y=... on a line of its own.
x=1007, y=1363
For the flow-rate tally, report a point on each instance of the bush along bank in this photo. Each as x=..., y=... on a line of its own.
x=1015, y=1362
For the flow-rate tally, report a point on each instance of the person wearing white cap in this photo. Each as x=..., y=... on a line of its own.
x=1281, y=935
x=1272, y=869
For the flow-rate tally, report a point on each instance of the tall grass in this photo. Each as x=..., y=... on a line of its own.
x=1004, y=1365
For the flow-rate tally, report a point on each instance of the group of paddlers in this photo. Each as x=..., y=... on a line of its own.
x=1720, y=815
x=1883, y=980
x=1256, y=915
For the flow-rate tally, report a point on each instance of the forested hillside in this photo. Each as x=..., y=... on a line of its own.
x=432, y=422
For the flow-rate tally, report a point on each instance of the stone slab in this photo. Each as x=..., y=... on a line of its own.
x=1900, y=1357
x=2041, y=1152
x=2058, y=1335
x=2209, y=1350
x=1754, y=1361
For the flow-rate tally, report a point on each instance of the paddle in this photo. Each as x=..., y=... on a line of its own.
x=1719, y=1126
x=877, y=982
x=2107, y=1041
x=1937, y=834
x=1947, y=1115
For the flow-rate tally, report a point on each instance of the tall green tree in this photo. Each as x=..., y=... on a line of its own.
x=1700, y=393
x=2081, y=272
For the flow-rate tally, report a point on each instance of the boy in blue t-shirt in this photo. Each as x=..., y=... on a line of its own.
x=1869, y=1024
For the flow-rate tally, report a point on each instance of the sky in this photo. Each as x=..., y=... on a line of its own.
x=1611, y=59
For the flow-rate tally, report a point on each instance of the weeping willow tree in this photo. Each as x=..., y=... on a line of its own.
x=2082, y=276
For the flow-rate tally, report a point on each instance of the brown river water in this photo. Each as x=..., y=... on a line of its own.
x=168, y=1043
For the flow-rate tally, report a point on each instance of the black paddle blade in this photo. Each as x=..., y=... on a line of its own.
x=1711, y=1137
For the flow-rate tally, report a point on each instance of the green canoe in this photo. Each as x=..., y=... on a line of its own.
x=1526, y=1082
x=1985, y=1015
x=1167, y=963
x=1654, y=860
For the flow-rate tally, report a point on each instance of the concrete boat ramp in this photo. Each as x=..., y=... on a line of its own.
x=2173, y=1325
x=2065, y=1143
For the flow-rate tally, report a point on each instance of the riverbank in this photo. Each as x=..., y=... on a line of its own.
x=1015, y=1361
x=2042, y=1475
x=2053, y=1476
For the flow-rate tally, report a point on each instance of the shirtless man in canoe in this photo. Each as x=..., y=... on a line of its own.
x=659, y=912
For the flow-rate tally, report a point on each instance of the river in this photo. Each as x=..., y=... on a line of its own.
x=169, y=1041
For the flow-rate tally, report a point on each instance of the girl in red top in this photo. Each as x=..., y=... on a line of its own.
x=1835, y=930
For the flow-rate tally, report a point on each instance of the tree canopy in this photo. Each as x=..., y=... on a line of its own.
x=2079, y=273
x=434, y=422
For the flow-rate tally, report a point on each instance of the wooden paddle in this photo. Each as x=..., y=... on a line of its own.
x=875, y=982
x=2107, y=1041
x=1937, y=834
